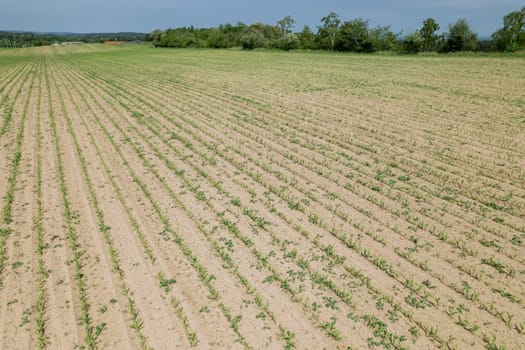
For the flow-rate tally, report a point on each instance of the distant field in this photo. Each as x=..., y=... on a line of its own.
x=162, y=199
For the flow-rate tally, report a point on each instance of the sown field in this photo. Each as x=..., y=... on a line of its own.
x=163, y=199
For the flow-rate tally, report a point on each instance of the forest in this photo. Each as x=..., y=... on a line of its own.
x=332, y=34
x=355, y=35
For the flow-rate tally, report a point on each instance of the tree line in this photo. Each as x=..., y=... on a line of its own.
x=354, y=35
x=27, y=39
x=332, y=34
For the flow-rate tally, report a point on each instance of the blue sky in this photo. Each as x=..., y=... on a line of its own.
x=485, y=16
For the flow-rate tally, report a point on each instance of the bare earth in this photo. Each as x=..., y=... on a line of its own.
x=168, y=199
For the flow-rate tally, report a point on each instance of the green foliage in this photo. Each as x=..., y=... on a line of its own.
x=285, y=25
x=354, y=36
x=224, y=36
x=180, y=37
x=288, y=42
x=499, y=266
x=216, y=39
x=259, y=35
x=383, y=39
x=429, y=38
x=17, y=40
x=166, y=283
x=460, y=37
x=252, y=40
x=328, y=31
x=307, y=39
x=413, y=43
x=335, y=35
x=512, y=36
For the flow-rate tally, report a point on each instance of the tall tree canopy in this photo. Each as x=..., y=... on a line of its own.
x=328, y=31
x=460, y=37
x=351, y=35
x=285, y=25
x=354, y=36
x=429, y=38
x=512, y=36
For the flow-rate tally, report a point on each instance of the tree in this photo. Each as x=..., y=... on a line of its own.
x=232, y=33
x=460, y=37
x=412, y=43
x=307, y=39
x=252, y=40
x=259, y=35
x=428, y=35
x=216, y=39
x=354, y=36
x=155, y=37
x=285, y=25
x=383, y=39
x=512, y=36
x=328, y=31
x=288, y=42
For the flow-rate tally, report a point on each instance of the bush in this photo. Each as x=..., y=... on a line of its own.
x=252, y=40
x=412, y=43
x=288, y=42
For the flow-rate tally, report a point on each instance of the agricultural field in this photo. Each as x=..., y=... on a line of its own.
x=168, y=199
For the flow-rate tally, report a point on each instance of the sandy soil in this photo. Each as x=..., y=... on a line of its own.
x=216, y=201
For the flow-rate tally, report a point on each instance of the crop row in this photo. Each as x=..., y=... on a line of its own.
x=206, y=278
x=13, y=172
x=236, y=130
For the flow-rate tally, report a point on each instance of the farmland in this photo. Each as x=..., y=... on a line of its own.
x=162, y=199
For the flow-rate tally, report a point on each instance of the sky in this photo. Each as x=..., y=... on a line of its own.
x=87, y=16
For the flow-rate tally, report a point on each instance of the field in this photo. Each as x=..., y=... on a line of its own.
x=162, y=199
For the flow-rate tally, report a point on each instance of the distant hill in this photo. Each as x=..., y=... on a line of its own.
x=13, y=38
x=72, y=34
